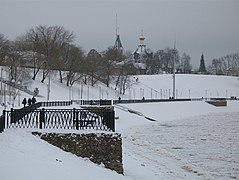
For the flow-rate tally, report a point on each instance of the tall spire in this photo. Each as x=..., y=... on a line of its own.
x=118, y=45
x=116, y=25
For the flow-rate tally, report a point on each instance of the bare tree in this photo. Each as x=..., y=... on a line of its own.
x=93, y=65
x=73, y=58
x=31, y=57
x=167, y=57
x=110, y=57
x=218, y=66
x=155, y=64
x=232, y=64
x=124, y=79
x=123, y=72
x=14, y=61
x=49, y=41
x=4, y=48
x=226, y=65
x=186, y=63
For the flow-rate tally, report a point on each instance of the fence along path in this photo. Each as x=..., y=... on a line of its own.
x=99, y=118
x=107, y=119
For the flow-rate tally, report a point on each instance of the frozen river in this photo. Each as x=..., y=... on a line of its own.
x=200, y=147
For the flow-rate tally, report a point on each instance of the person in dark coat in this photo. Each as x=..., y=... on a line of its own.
x=34, y=100
x=24, y=102
x=29, y=102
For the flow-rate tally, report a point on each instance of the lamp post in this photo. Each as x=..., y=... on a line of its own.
x=19, y=95
x=174, y=54
x=4, y=96
x=48, y=86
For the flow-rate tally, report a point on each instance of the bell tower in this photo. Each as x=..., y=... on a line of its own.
x=142, y=46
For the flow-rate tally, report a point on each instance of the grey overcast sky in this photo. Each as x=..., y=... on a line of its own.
x=210, y=27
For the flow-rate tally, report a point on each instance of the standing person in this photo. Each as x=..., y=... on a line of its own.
x=34, y=100
x=29, y=102
x=24, y=102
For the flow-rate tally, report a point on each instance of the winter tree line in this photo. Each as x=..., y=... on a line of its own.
x=226, y=65
x=45, y=48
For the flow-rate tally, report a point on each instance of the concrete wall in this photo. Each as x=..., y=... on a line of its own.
x=218, y=103
x=98, y=147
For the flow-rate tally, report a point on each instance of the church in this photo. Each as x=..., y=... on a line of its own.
x=139, y=57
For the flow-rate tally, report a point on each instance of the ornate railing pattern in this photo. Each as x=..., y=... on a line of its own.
x=87, y=118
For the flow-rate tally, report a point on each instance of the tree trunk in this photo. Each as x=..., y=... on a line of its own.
x=108, y=80
x=44, y=75
x=124, y=84
x=118, y=79
x=92, y=79
x=69, y=76
x=35, y=72
x=60, y=73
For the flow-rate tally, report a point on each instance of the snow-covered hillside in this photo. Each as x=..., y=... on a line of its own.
x=187, y=86
x=150, y=87
x=188, y=140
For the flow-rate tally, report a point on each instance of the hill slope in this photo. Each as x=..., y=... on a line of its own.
x=150, y=87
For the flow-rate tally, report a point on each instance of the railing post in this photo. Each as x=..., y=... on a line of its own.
x=12, y=116
x=2, y=122
x=109, y=118
x=112, y=119
x=42, y=118
x=4, y=119
x=75, y=118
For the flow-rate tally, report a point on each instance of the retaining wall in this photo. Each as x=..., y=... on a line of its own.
x=98, y=147
x=218, y=103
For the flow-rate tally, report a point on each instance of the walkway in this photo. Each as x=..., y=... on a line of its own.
x=20, y=87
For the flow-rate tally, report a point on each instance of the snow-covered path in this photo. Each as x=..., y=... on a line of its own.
x=200, y=147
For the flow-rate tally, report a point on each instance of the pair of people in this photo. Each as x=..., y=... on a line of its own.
x=30, y=101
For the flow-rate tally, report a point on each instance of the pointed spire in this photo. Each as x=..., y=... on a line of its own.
x=118, y=45
x=116, y=25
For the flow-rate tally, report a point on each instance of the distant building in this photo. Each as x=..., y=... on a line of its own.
x=138, y=61
x=141, y=55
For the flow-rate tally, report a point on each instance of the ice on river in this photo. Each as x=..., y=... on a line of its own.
x=199, y=147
